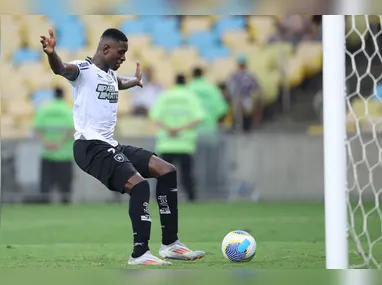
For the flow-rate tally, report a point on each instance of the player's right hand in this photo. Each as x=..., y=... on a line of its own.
x=48, y=44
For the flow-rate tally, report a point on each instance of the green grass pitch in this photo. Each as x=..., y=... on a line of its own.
x=289, y=235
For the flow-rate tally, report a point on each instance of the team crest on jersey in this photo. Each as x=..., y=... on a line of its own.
x=107, y=92
x=119, y=157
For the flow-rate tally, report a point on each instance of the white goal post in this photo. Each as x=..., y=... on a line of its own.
x=334, y=109
x=352, y=112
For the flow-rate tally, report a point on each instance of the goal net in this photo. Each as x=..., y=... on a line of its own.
x=364, y=139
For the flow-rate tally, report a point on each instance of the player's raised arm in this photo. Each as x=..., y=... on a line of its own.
x=69, y=71
x=128, y=82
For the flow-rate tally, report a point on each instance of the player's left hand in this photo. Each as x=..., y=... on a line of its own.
x=138, y=74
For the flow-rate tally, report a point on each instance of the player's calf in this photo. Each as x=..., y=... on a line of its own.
x=139, y=214
x=167, y=197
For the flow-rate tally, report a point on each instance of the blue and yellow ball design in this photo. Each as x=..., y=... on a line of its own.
x=239, y=246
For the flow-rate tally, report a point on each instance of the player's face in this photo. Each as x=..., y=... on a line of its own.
x=115, y=54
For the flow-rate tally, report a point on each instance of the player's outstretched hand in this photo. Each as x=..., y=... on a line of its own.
x=48, y=44
x=138, y=74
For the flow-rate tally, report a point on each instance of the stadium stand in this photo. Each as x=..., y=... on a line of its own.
x=169, y=44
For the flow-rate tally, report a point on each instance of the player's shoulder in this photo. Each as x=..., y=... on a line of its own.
x=82, y=64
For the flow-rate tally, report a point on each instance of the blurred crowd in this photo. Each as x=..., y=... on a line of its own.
x=226, y=71
x=250, y=59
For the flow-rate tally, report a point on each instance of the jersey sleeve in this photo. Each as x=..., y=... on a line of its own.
x=82, y=67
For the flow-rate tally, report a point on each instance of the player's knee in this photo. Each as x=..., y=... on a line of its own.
x=169, y=167
x=159, y=167
x=143, y=188
x=134, y=181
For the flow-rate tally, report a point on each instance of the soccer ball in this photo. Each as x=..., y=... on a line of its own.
x=239, y=246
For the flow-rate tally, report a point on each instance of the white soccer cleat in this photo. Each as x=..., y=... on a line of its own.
x=179, y=251
x=147, y=259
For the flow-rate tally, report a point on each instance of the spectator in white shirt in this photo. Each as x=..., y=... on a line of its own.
x=144, y=98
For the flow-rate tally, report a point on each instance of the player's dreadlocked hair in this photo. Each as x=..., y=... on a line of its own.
x=114, y=34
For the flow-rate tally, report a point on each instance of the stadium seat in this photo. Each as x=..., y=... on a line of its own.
x=172, y=40
x=270, y=83
x=310, y=54
x=285, y=47
x=149, y=55
x=261, y=27
x=14, y=133
x=133, y=27
x=30, y=72
x=149, y=21
x=203, y=40
x=161, y=24
x=79, y=55
x=231, y=23
x=279, y=50
x=11, y=27
x=235, y=38
x=8, y=90
x=260, y=59
x=42, y=78
x=20, y=107
x=69, y=31
x=294, y=69
x=94, y=27
x=213, y=52
x=25, y=54
x=269, y=79
x=62, y=20
x=7, y=121
x=194, y=24
x=164, y=31
x=33, y=27
x=72, y=36
x=164, y=73
x=183, y=58
x=117, y=20
x=139, y=41
x=221, y=68
x=245, y=49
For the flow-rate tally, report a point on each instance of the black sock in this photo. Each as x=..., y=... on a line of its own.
x=167, y=197
x=140, y=217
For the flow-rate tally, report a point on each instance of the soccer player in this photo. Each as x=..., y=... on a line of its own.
x=121, y=168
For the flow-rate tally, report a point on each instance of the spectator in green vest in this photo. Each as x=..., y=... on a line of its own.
x=211, y=98
x=209, y=140
x=53, y=126
x=178, y=112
